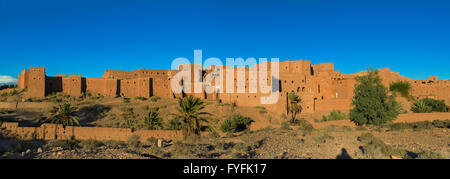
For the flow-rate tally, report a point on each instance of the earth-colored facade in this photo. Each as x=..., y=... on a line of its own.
x=320, y=86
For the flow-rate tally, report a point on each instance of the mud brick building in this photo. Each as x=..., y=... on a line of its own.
x=320, y=86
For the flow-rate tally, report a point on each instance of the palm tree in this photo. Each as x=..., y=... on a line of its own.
x=152, y=120
x=65, y=115
x=294, y=107
x=189, y=112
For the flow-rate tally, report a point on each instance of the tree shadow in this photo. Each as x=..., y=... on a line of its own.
x=24, y=118
x=344, y=154
x=92, y=113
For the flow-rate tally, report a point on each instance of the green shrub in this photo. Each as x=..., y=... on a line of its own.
x=428, y=155
x=140, y=98
x=90, y=144
x=99, y=96
x=418, y=125
x=145, y=107
x=13, y=92
x=152, y=141
x=152, y=120
x=237, y=124
x=174, y=124
x=134, y=141
x=285, y=126
x=126, y=110
x=4, y=111
x=126, y=100
x=322, y=139
x=421, y=107
x=304, y=124
x=401, y=87
x=227, y=126
x=427, y=105
x=376, y=148
x=441, y=124
x=4, y=94
x=372, y=105
x=127, y=115
x=260, y=107
x=262, y=112
x=154, y=98
x=335, y=115
x=129, y=123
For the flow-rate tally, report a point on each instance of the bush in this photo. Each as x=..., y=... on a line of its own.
x=402, y=87
x=4, y=111
x=14, y=92
x=237, y=124
x=154, y=98
x=174, y=124
x=306, y=126
x=322, y=139
x=427, y=105
x=335, y=115
x=90, y=144
x=227, y=126
x=126, y=110
x=285, y=126
x=428, y=155
x=152, y=120
x=152, y=141
x=441, y=124
x=126, y=100
x=140, y=98
x=418, y=125
x=127, y=115
x=260, y=107
x=134, y=141
x=371, y=103
x=376, y=148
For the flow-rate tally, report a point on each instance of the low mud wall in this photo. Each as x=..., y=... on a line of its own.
x=26, y=105
x=58, y=132
x=416, y=117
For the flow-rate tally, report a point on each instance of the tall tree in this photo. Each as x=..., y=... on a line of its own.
x=190, y=113
x=294, y=106
x=372, y=104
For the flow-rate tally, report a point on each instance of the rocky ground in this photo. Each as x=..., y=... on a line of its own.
x=268, y=143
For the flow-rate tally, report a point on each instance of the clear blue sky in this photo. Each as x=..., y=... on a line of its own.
x=88, y=37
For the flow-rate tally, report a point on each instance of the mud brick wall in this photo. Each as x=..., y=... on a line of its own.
x=58, y=132
x=320, y=86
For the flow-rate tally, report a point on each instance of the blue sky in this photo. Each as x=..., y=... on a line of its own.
x=88, y=37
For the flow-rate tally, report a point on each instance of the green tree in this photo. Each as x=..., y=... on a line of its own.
x=372, y=105
x=174, y=124
x=294, y=106
x=65, y=115
x=401, y=87
x=190, y=113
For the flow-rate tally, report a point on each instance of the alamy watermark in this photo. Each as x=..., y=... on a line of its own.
x=193, y=74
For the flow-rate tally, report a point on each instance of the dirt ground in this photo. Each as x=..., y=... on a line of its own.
x=265, y=139
x=267, y=143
